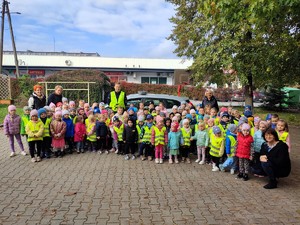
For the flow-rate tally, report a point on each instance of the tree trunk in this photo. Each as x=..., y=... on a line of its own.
x=249, y=91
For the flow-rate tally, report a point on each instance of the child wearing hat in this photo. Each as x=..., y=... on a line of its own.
x=174, y=137
x=244, y=151
x=42, y=114
x=186, y=132
x=58, y=129
x=34, y=130
x=130, y=138
x=24, y=119
x=146, y=148
x=12, y=123
x=69, y=135
x=159, y=138
x=230, y=146
x=216, y=147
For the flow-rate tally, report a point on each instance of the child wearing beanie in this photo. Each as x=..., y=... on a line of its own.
x=230, y=146
x=24, y=119
x=174, y=138
x=34, y=130
x=12, y=129
x=216, y=147
x=58, y=129
x=244, y=151
x=42, y=113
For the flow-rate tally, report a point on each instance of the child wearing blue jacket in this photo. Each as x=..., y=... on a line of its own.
x=230, y=145
x=69, y=135
x=202, y=138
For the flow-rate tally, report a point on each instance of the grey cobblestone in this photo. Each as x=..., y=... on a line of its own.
x=104, y=189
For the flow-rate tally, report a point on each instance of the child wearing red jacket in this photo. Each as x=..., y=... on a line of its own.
x=244, y=151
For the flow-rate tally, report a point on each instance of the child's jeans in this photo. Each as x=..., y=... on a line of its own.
x=12, y=140
x=79, y=145
x=159, y=150
x=32, y=145
x=230, y=163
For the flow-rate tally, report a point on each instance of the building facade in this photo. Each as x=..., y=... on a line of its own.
x=135, y=70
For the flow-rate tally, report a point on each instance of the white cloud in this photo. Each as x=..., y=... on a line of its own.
x=142, y=21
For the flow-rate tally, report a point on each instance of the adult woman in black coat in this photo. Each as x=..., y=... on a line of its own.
x=56, y=96
x=274, y=157
x=209, y=99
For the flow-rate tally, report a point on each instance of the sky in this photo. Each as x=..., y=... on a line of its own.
x=112, y=28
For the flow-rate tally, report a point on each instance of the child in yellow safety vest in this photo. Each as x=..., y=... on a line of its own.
x=42, y=114
x=230, y=145
x=216, y=147
x=118, y=128
x=159, y=138
x=283, y=132
x=146, y=148
x=186, y=132
x=34, y=130
x=91, y=133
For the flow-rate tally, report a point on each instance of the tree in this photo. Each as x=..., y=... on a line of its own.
x=260, y=40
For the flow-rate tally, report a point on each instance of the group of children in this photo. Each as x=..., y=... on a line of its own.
x=224, y=139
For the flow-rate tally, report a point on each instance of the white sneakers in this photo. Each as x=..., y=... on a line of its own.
x=170, y=161
x=157, y=161
x=231, y=171
x=198, y=160
x=201, y=163
x=215, y=169
x=12, y=154
x=23, y=153
x=33, y=160
x=161, y=161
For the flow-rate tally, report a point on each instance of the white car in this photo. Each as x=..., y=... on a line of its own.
x=168, y=100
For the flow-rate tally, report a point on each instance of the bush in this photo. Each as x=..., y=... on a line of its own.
x=97, y=90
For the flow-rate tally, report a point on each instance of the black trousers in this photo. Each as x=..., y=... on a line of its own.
x=46, y=146
x=101, y=143
x=32, y=145
x=184, y=151
x=149, y=149
x=131, y=146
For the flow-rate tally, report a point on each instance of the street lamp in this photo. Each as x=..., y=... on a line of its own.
x=5, y=9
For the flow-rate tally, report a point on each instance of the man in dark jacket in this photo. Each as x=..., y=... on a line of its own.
x=130, y=138
x=209, y=99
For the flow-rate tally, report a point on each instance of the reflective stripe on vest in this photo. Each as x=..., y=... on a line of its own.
x=232, y=145
x=216, y=143
x=147, y=134
x=159, y=136
x=283, y=136
x=119, y=132
x=114, y=102
x=186, y=137
x=89, y=128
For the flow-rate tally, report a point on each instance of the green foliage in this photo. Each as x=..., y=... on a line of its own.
x=258, y=39
x=275, y=98
x=97, y=90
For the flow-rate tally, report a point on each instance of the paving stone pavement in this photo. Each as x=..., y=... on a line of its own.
x=105, y=189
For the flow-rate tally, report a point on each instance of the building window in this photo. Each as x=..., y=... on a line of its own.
x=154, y=80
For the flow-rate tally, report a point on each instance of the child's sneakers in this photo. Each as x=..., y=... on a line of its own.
x=12, y=154
x=117, y=151
x=106, y=151
x=245, y=177
x=23, y=153
x=150, y=158
x=201, y=163
x=33, y=160
x=232, y=171
x=100, y=152
x=176, y=161
x=126, y=157
x=239, y=176
x=142, y=158
x=188, y=160
x=170, y=161
x=133, y=157
x=161, y=161
x=215, y=169
x=156, y=161
x=38, y=159
x=198, y=160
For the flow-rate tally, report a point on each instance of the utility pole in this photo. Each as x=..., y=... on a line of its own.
x=5, y=9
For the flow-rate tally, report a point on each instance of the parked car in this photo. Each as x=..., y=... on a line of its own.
x=168, y=100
